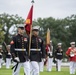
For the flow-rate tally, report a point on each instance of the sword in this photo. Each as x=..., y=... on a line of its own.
x=15, y=66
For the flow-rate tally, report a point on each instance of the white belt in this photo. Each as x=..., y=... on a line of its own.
x=35, y=49
x=20, y=49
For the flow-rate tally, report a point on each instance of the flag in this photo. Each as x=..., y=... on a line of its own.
x=48, y=37
x=48, y=40
x=28, y=21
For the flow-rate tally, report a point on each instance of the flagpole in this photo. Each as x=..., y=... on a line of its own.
x=32, y=1
x=30, y=32
x=30, y=39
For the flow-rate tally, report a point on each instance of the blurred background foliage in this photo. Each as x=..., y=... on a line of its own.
x=62, y=30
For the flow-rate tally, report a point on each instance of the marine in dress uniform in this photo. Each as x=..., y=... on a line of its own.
x=58, y=56
x=37, y=51
x=19, y=52
x=49, y=50
x=0, y=56
x=8, y=57
x=71, y=53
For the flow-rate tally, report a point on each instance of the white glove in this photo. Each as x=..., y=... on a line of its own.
x=0, y=53
x=55, y=59
x=9, y=53
x=71, y=55
x=50, y=53
x=44, y=59
x=17, y=59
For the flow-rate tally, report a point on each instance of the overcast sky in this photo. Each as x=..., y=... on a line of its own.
x=42, y=8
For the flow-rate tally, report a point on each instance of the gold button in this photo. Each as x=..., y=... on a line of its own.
x=22, y=43
x=22, y=49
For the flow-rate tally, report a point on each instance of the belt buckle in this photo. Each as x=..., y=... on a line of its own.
x=22, y=49
x=37, y=49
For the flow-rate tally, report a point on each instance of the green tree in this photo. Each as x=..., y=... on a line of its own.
x=62, y=30
x=1, y=35
x=7, y=21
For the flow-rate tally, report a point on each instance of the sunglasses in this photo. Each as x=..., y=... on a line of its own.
x=22, y=28
x=36, y=30
x=72, y=44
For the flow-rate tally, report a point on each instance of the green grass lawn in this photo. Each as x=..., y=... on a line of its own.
x=65, y=71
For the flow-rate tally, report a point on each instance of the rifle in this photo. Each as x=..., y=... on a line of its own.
x=6, y=47
x=15, y=66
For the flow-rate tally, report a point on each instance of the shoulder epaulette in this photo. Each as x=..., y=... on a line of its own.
x=69, y=48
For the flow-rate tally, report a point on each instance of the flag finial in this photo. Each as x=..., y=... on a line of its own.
x=32, y=1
